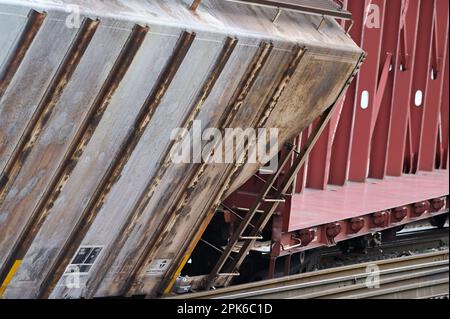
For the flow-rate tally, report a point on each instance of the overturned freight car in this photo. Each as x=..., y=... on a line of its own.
x=90, y=95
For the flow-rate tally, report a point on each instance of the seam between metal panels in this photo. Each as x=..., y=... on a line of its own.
x=78, y=145
x=115, y=169
x=240, y=95
x=16, y=56
x=147, y=194
x=297, y=56
x=47, y=105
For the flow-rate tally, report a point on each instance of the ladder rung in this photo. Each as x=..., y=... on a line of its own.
x=274, y=200
x=251, y=238
x=229, y=274
x=243, y=209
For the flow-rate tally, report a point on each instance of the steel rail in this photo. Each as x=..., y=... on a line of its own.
x=418, y=275
x=393, y=282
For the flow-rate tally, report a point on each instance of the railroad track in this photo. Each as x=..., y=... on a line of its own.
x=411, y=241
x=419, y=276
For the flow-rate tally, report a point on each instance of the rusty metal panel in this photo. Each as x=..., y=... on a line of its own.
x=93, y=168
x=15, y=23
x=100, y=152
x=64, y=122
x=143, y=170
x=38, y=66
x=209, y=178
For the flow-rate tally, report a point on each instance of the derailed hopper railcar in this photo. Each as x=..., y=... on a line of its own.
x=90, y=95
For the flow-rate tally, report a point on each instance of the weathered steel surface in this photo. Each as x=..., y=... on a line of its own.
x=30, y=29
x=96, y=169
x=321, y=7
x=38, y=67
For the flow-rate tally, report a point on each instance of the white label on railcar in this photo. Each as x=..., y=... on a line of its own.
x=158, y=267
x=84, y=259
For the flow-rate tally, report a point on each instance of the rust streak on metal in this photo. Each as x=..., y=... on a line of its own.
x=78, y=145
x=47, y=104
x=32, y=27
x=137, y=211
x=239, y=97
x=195, y=5
x=249, y=80
x=297, y=56
x=114, y=172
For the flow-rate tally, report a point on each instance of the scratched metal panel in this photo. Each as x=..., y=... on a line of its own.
x=172, y=181
x=213, y=178
x=112, y=129
x=28, y=86
x=14, y=23
x=145, y=161
x=289, y=104
x=48, y=153
x=104, y=174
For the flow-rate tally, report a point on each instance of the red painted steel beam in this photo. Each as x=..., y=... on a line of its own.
x=444, y=120
x=300, y=182
x=402, y=93
x=380, y=138
x=421, y=74
x=319, y=172
x=342, y=144
x=317, y=177
x=382, y=86
x=371, y=40
x=359, y=226
x=434, y=88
